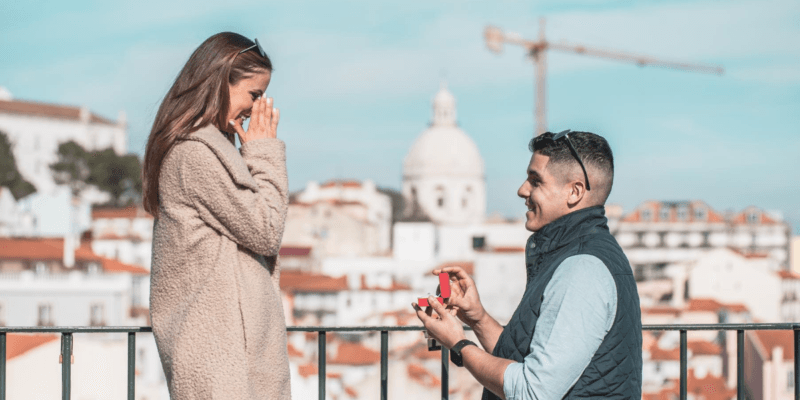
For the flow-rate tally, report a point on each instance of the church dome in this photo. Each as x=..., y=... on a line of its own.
x=443, y=149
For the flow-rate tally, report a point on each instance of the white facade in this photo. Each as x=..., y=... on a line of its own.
x=124, y=234
x=658, y=233
x=443, y=173
x=35, y=131
x=72, y=299
x=501, y=278
x=99, y=371
x=378, y=205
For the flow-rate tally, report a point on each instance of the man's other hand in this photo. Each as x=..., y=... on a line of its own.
x=445, y=329
x=464, y=296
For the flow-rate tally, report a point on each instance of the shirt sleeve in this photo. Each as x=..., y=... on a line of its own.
x=579, y=307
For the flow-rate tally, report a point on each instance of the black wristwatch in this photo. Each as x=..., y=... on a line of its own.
x=455, y=352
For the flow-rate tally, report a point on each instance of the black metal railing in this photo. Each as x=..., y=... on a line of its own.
x=67, y=332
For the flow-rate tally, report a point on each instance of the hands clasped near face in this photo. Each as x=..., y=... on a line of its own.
x=263, y=121
x=464, y=304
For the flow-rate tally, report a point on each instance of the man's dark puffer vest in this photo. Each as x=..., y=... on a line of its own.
x=615, y=371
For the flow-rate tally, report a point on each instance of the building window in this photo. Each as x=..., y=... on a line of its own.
x=440, y=196
x=93, y=268
x=700, y=214
x=45, y=315
x=478, y=242
x=752, y=217
x=97, y=315
x=42, y=268
x=790, y=380
x=647, y=214
x=683, y=214
x=663, y=214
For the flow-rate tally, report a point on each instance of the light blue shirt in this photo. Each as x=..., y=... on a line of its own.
x=579, y=307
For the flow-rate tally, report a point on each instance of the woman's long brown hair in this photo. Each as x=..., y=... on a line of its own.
x=198, y=97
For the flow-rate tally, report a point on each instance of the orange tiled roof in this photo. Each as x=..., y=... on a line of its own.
x=468, y=266
x=713, y=306
x=344, y=183
x=772, y=339
x=350, y=353
x=307, y=370
x=350, y=392
x=294, y=251
x=708, y=388
x=508, y=249
x=788, y=275
x=763, y=218
x=656, y=206
x=48, y=110
x=307, y=282
x=119, y=212
x=661, y=310
x=702, y=347
x=292, y=351
x=424, y=377
x=659, y=354
x=17, y=344
x=52, y=249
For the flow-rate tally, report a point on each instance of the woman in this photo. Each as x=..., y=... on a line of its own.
x=219, y=215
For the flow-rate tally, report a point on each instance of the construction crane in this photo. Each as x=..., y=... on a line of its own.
x=495, y=38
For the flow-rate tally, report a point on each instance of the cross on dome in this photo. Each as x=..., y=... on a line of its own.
x=444, y=107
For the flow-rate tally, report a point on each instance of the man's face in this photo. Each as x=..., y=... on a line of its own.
x=545, y=195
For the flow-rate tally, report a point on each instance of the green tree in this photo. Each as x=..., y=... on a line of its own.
x=9, y=174
x=119, y=176
x=72, y=167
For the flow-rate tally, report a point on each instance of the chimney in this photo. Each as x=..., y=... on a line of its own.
x=69, y=251
x=84, y=115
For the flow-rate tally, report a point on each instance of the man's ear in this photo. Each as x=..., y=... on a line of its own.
x=577, y=192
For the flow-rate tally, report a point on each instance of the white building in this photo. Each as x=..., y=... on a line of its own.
x=124, y=234
x=659, y=233
x=45, y=283
x=443, y=173
x=35, y=131
x=770, y=374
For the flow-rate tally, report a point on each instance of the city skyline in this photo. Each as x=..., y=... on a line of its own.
x=354, y=83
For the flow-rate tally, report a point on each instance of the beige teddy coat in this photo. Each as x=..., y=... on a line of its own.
x=215, y=302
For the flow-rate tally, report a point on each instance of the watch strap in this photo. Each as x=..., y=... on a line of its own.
x=455, y=352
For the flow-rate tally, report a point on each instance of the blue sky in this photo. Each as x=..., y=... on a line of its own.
x=354, y=81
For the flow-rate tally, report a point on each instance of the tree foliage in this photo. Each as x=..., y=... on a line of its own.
x=119, y=176
x=9, y=174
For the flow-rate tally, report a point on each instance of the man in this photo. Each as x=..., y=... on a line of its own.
x=577, y=332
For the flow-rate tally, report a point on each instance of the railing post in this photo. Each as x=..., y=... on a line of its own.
x=445, y=373
x=3, y=365
x=384, y=364
x=740, y=364
x=683, y=365
x=66, y=364
x=796, y=363
x=321, y=364
x=131, y=366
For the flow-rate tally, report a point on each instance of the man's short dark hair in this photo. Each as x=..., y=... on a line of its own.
x=594, y=152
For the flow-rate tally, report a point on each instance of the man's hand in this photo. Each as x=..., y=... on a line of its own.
x=464, y=296
x=263, y=121
x=445, y=329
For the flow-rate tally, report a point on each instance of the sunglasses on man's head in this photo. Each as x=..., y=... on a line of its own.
x=256, y=46
x=565, y=135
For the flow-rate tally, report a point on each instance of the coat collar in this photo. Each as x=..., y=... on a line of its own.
x=226, y=153
x=567, y=228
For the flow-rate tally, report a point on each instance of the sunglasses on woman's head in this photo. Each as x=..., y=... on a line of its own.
x=565, y=135
x=256, y=46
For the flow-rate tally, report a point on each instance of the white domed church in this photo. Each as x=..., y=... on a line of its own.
x=443, y=173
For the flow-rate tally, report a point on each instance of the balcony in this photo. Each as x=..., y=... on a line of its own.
x=68, y=332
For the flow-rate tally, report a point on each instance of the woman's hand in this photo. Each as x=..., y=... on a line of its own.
x=263, y=121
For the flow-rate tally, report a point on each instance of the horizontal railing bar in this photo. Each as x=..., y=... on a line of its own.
x=147, y=329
